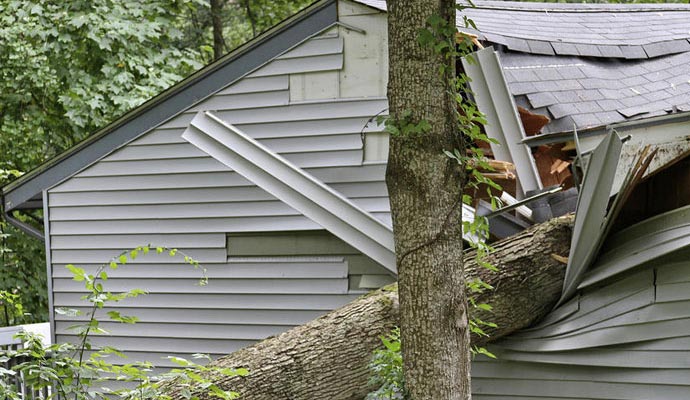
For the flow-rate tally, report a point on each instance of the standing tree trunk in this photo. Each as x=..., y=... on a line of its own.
x=425, y=189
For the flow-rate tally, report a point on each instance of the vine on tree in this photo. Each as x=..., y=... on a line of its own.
x=445, y=39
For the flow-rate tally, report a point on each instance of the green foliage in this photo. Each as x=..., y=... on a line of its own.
x=71, y=373
x=386, y=369
x=11, y=308
x=403, y=125
x=71, y=67
x=68, y=68
x=242, y=20
x=22, y=269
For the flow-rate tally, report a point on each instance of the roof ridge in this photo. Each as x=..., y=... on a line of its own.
x=526, y=6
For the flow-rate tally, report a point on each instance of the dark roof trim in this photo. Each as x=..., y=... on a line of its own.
x=561, y=137
x=205, y=82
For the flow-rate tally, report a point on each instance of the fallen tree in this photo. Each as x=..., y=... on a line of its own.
x=327, y=358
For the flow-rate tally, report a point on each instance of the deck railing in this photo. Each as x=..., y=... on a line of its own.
x=9, y=341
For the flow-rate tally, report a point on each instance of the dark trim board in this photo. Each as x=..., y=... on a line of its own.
x=207, y=81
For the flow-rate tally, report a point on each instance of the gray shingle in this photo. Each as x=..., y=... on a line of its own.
x=569, y=84
x=540, y=47
x=684, y=107
x=676, y=80
x=657, y=86
x=541, y=99
x=517, y=88
x=633, y=101
x=547, y=86
x=634, y=111
x=515, y=44
x=586, y=120
x=610, y=105
x=522, y=102
x=564, y=48
x=589, y=107
x=634, y=70
x=572, y=72
x=548, y=74
x=594, y=83
x=566, y=97
x=609, y=117
x=613, y=94
x=633, y=52
x=561, y=110
x=656, y=96
x=611, y=51
x=666, y=47
x=589, y=95
x=559, y=125
x=524, y=75
x=588, y=50
x=678, y=70
x=636, y=80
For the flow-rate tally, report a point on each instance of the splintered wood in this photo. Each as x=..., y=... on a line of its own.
x=553, y=165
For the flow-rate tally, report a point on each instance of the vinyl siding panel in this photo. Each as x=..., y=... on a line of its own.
x=160, y=190
x=627, y=337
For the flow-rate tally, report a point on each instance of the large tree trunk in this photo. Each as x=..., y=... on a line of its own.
x=425, y=191
x=327, y=358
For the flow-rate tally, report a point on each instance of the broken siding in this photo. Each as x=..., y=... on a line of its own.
x=159, y=189
x=623, y=337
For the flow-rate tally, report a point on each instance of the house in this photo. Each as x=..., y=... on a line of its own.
x=264, y=167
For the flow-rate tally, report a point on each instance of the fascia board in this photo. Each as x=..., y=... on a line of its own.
x=590, y=215
x=294, y=186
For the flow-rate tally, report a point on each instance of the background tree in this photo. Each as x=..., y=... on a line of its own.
x=227, y=24
x=425, y=189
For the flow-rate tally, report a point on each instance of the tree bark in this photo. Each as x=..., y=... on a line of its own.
x=425, y=191
x=217, y=25
x=327, y=358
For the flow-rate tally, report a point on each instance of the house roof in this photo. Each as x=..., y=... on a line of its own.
x=589, y=65
x=26, y=192
x=592, y=92
x=626, y=31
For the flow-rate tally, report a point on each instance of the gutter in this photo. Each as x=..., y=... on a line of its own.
x=21, y=225
x=561, y=137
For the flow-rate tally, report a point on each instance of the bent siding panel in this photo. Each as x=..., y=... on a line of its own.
x=626, y=339
x=160, y=190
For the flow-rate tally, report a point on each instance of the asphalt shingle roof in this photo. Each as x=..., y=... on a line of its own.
x=630, y=31
x=588, y=92
x=589, y=65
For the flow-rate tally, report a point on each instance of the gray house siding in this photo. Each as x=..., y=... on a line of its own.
x=269, y=267
x=622, y=337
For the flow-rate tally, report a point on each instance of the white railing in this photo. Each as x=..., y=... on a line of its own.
x=9, y=341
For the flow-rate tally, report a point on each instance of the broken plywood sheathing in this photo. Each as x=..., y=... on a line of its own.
x=503, y=123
